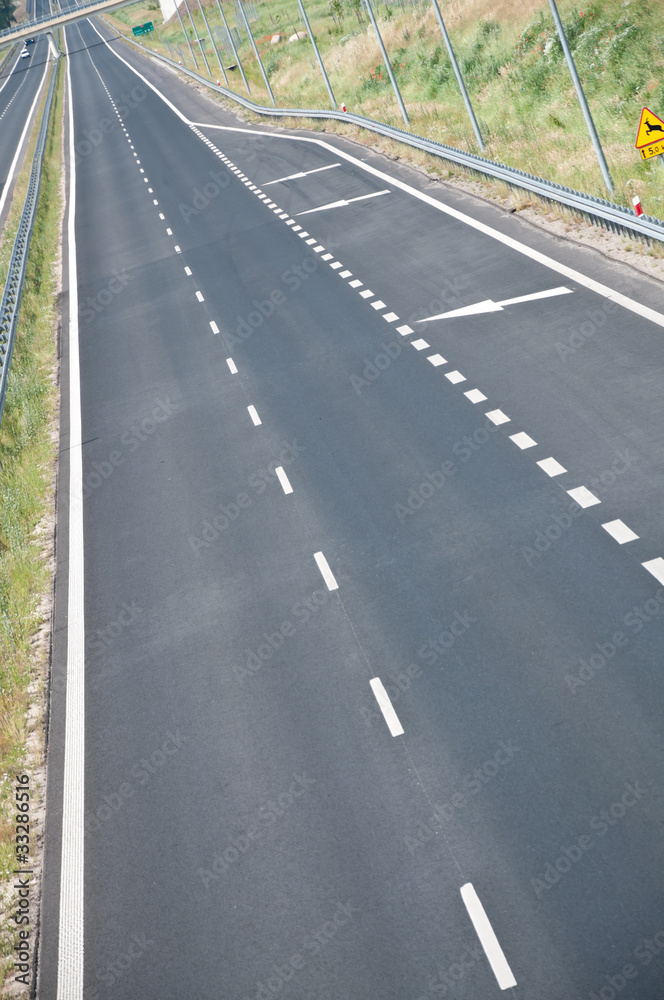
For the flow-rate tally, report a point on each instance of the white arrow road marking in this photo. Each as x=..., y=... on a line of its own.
x=305, y=173
x=490, y=306
x=342, y=204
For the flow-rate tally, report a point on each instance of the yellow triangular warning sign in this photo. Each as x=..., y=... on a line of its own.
x=651, y=128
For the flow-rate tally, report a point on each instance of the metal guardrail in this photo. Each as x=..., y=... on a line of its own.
x=54, y=19
x=11, y=298
x=604, y=213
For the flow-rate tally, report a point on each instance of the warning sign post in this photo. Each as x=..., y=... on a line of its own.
x=650, y=136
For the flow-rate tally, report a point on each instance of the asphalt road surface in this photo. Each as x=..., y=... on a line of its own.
x=304, y=498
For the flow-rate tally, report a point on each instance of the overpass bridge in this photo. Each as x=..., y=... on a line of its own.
x=49, y=22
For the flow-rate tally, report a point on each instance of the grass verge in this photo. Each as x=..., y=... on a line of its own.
x=28, y=446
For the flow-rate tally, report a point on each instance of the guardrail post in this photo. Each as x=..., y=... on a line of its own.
x=599, y=152
x=186, y=37
x=221, y=65
x=388, y=65
x=318, y=55
x=457, y=73
x=256, y=52
x=235, y=53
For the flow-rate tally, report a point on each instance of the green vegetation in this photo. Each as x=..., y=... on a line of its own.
x=7, y=8
x=27, y=462
x=510, y=57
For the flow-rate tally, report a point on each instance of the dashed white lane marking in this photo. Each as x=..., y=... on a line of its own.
x=475, y=396
x=154, y=201
x=551, y=467
x=346, y=274
x=199, y=296
x=283, y=479
x=311, y=241
x=437, y=360
x=187, y=270
x=386, y=707
x=213, y=326
x=256, y=420
x=177, y=249
x=656, y=567
x=231, y=364
x=296, y=229
x=303, y=173
x=404, y=330
x=162, y=216
x=319, y=248
x=390, y=317
x=488, y=939
x=455, y=377
x=378, y=304
x=619, y=530
x=497, y=417
x=343, y=203
x=335, y=265
x=583, y=496
x=327, y=256
x=419, y=345
x=367, y=293
x=522, y=440
x=355, y=283
x=169, y=232
x=326, y=572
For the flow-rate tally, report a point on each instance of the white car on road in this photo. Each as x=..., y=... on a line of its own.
x=25, y=53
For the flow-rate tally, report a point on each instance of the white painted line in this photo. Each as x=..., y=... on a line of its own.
x=70, y=943
x=271, y=204
x=296, y=229
x=319, y=248
x=169, y=232
x=141, y=171
x=355, y=283
x=187, y=270
x=455, y=377
x=390, y=317
x=346, y=274
x=343, y=203
x=326, y=572
x=177, y=249
x=404, y=330
x=386, y=707
x=162, y=216
x=419, y=345
x=367, y=293
x=551, y=467
x=497, y=417
x=311, y=241
x=475, y=396
x=303, y=173
x=154, y=201
x=619, y=530
x=549, y=293
x=256, y=420
x=479, y=307
x=378, y=304
x=583, y=496
x=283, y=479
x=335, y=265
x=436, y=360
x=327, y=256
x=290, y=222
x=656, y=567
x=488, y=939
x=231, y=364
x=199, y=296
x=522, y=440
x=303, y=234
x=7, y=186
x=213, y=326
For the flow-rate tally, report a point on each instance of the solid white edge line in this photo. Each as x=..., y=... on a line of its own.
x=283, y=479
x=488, y=939
x=326, y=572
x=70, y=941
x=256, y=420
x=386, y=707
x=8, y=182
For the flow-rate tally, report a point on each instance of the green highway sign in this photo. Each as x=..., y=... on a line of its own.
x=143, y=29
